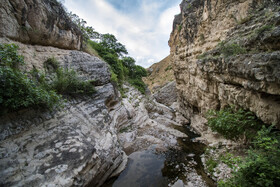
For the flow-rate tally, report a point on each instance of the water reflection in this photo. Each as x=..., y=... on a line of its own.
x=143, y=170
x=172, y=168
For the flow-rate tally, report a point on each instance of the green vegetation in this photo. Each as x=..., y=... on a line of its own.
x=264, y=28
x=261, y=166
x=211, y=164
x=224, y=49
x=106, y=46
x=67, y=82
x=51, y=64
x=179, y=28
x=229, y=49
x=31, y=89
x=168, y=68
x=125, y=129
x=17, y=90
x=123, y=68
x=87, y=31
x=233, y=123
x=230, y=160
x=201, y=56
x=9, y=56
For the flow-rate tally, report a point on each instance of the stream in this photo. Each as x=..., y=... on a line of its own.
x=171, y=168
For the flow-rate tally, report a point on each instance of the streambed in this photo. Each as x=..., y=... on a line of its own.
x=173, y=167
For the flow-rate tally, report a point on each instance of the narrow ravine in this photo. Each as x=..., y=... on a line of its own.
x=161, y=151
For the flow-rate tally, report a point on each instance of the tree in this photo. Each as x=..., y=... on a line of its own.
x=109, y=41
x=88, y=32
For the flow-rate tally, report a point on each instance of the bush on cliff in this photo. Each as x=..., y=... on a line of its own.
x=229, y=49
x=31, y=89
x=64, y=81
x=67, y=82
x=17, y=90
x=233, y=123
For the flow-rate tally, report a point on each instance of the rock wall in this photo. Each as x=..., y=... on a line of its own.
x=74, y=146
x=42, y=22
x=206, y=78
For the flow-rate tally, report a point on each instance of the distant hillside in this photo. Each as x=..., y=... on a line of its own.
x=159, y=74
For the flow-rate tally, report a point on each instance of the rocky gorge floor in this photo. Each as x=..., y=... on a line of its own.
x=161, y=149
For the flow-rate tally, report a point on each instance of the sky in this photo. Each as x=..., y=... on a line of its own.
x=143, y=26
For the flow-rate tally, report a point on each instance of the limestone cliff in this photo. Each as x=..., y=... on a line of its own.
x=42, y=22
x=227, y=52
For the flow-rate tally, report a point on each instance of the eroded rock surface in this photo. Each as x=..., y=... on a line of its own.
x=208, y=79
x=74, y=146
x=167, y=95
x=41, y=22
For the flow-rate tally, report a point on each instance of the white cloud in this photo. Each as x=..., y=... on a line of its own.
x=145, y=33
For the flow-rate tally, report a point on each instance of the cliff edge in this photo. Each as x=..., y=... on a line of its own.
x=227, y=53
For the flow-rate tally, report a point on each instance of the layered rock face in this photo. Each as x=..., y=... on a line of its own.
x=227, y=52
x=42, y=22
x=74, y=146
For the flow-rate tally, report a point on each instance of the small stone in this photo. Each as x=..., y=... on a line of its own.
x=72, y=150
x=61, y=168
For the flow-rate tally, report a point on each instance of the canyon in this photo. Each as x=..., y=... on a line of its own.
x=221, y=54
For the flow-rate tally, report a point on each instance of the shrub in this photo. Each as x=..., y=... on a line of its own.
x=18, y=91
x=51, y=64
x=168, y=68
x=114, y=77
x=121, y=67
x=179, y=28
x=262, y=165
x=68, y=82
x=264, y=28
x=138, y=84
x=9, y=55
x=229, y=49
x=230, y=160
x=233, y=123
